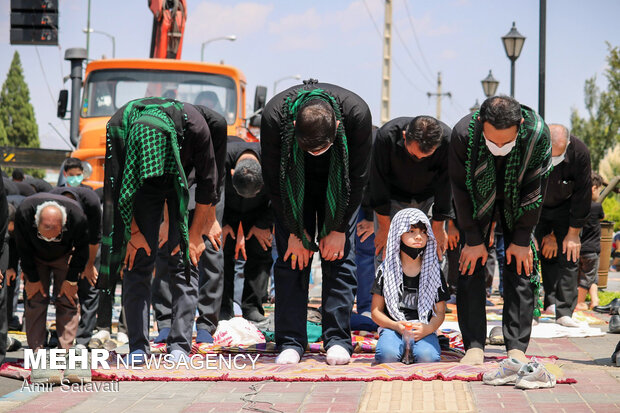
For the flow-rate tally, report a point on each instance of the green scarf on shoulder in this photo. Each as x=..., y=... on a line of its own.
x=292, y=171
x=143, y=141
x=529, y=161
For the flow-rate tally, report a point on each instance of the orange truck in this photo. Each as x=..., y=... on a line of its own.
x=110, y=83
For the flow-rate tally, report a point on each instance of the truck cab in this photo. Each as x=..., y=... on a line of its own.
x=110, y=83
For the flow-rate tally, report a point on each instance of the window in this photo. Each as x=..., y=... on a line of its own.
x=108, y=90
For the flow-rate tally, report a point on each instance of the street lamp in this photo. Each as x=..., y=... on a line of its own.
x=90, y=30
x=275, y=84
x=513, y=43
x=231, y=38
x=475, y=107
x=489, y=85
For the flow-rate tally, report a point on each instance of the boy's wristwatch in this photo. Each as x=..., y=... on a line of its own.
x=72, y=283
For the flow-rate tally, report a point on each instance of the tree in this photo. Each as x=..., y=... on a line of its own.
x=16, y=112
x=601, y=131
x=3, y=139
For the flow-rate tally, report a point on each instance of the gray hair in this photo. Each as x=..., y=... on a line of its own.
x=41, y=207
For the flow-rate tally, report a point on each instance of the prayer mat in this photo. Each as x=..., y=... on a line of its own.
x=545, y=329
x=311, y=368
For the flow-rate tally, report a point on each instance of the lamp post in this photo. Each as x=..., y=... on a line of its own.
x=275, y=84
x=489, y=85
x=89, y=30
x=513, y=43
x=230, y=38
x=475, y=107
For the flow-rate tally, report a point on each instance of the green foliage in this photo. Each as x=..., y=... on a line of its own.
x=611, y=207
x=605, y=297
x=3, y=139
x=601, y=130
x=609, y=167
x=16, y=112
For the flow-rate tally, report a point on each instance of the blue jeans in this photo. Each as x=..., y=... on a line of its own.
x=390, y=348
x=365, y=262
x=338, y=288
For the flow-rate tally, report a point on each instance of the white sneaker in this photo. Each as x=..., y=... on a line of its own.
x=122, y=337
x=567, y=321
x=550, y=309
x=101, y=335
x=534, y=376
x=506, y=373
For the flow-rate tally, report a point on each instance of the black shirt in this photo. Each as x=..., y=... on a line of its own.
x=591, y=234
x=409, y=300
x=74, y=238
x=91, y=206
x=255, y=211
x=358, y=129
x=570, y=183
x=197, y=153
x=24, y=188
x=4, y=215
x=38, y=184
x=219, y=137
x=10, y=187
x=396, y=175
x=473, y=228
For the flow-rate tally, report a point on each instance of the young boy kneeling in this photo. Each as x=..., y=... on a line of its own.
x=409, y=287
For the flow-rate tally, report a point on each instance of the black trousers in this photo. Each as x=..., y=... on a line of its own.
x=338, y=288
x=518, y=306
x=560, y=276
x=106, y=306
x=148, y=209
x=210, y=285
x=256, y=273
x=4, y=325
x=89, y=302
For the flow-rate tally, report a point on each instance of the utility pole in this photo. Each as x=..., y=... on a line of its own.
x=88, y=33
x=542, y=45
x=439, y=94
x=387, y=63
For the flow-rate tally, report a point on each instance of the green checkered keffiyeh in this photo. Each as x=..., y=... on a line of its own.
x=292, y=171
x=529, y=161
x=150, y=148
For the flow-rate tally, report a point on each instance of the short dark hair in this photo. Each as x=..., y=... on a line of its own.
x=315, y=125
x=597, y=180
x=421, y=226
x=426, y=131
x=501, y=111
x=248, y=178
x=71, y=163
x=18, y=174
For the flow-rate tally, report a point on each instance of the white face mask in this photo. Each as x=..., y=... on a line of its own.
x=499, y=151
x=321, y=152
x=556, y=160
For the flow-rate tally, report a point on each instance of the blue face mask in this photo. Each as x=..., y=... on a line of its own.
x=75, y=180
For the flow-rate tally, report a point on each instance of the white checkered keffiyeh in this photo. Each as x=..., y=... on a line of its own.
x=392, y=271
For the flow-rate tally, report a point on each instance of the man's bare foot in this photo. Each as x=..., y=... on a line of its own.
x=582, y=307
x=593, y=304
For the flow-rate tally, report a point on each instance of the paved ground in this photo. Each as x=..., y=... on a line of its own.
x=585, y=359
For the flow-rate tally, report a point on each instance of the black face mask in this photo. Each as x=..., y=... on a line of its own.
x=410, y=251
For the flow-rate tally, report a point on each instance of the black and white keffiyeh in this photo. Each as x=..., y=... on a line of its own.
x=392, y=271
